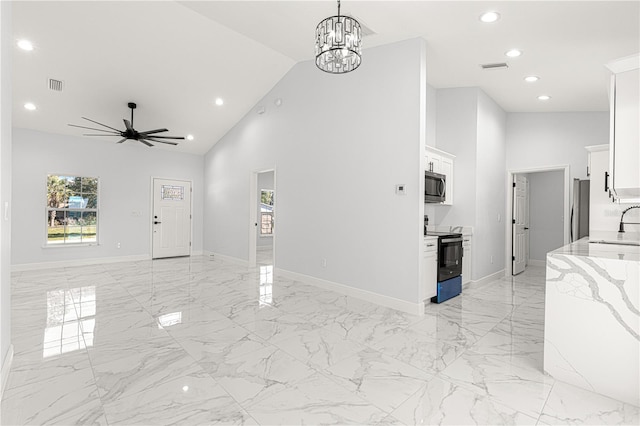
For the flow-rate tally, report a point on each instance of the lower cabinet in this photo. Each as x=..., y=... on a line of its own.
x=466, y=259
x=429, y=286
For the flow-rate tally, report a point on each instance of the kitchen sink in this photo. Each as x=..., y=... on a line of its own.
x=617, y=243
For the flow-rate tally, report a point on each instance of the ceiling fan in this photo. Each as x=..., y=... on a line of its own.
x=131, y=133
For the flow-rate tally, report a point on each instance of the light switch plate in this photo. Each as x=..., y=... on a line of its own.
x=401, y=189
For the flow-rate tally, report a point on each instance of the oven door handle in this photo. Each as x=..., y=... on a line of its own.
x=451, y=240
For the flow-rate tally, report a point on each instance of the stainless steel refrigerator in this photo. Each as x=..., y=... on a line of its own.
x=580, y=210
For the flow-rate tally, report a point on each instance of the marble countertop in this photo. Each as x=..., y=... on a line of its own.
x=464, y=230
x=586, y=248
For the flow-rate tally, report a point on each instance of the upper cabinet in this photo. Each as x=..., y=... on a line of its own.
x=441, y=162
x=624, y=142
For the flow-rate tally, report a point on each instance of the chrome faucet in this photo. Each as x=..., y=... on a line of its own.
x=628, y=223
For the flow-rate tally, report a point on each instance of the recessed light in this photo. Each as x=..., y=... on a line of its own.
x=29, y=106
x=531, y=78
x=25, y=45
x=189, y=137
x=219, y=101
x=513, y=53
x=544, y=97
x=489, y=17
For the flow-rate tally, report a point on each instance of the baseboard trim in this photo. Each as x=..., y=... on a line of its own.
x=533, y=262
x=489, y=278
x=225, y=258
x=378, y=299
x=78, y=262
x=6, y=367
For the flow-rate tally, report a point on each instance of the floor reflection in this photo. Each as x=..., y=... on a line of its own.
x=266, y=285
x=167, y=320
x=70, y=314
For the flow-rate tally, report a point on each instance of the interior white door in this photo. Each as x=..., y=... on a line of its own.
x=518, y=222
x=527, y=221
x=171, y=218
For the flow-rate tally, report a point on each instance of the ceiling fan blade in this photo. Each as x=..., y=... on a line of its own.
x=99, y=134
x=127, y=124
x=145, y=142
x=122, y=140
x=92, y=128
x=104, y=125
x=166, y=137
x=159, y=141
x=148, y=132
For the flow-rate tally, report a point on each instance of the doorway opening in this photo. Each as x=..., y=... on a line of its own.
x=539, y=215
x=262, y=230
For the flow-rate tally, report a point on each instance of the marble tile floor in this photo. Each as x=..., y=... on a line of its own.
x=202, y=341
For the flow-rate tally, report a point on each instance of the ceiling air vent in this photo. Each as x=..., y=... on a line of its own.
x=55, y=85
x=496, y=66
x=366, y=31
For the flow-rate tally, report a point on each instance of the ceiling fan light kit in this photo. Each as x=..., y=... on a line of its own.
x=338, y=44
x=130, y=133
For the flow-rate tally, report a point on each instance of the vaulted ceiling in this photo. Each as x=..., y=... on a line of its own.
x=175, y=58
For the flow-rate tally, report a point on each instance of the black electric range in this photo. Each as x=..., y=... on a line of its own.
x=450, y=254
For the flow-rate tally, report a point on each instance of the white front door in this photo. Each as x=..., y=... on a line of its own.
x=171, y=218
x=519, y=248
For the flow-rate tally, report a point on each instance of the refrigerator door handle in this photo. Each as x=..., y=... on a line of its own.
x=571, y=227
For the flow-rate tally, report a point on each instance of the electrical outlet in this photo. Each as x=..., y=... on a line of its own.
x=117, y=245
x=323, y=262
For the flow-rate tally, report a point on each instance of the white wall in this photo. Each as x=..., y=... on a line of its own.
x=471, y=126
x=265, y=181
x=456, y=133
x=125, y=172
x=431, y=124
x=488, y=233
x=6, y=50
x=537, y=140
x=339, y=144
x=546, y=213
x=432, y=118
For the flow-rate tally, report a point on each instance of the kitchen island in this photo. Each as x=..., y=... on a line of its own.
x=592, y=315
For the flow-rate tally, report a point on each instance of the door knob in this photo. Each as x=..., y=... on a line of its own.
x=155, y=222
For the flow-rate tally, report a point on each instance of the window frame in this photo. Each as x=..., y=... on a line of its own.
x=48, y=210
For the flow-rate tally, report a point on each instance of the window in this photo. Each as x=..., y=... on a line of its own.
x=266, y=212
x=72, y=210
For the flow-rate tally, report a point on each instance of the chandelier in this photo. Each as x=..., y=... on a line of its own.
x=338, y=44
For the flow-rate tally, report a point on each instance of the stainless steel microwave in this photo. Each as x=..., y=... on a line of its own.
x=434, y=187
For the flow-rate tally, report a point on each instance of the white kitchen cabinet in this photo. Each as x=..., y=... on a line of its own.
x=441, y=162
x=624, y=140
x=433, y=162
x=466, y=259
x=601, y=208
x=429, y=286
